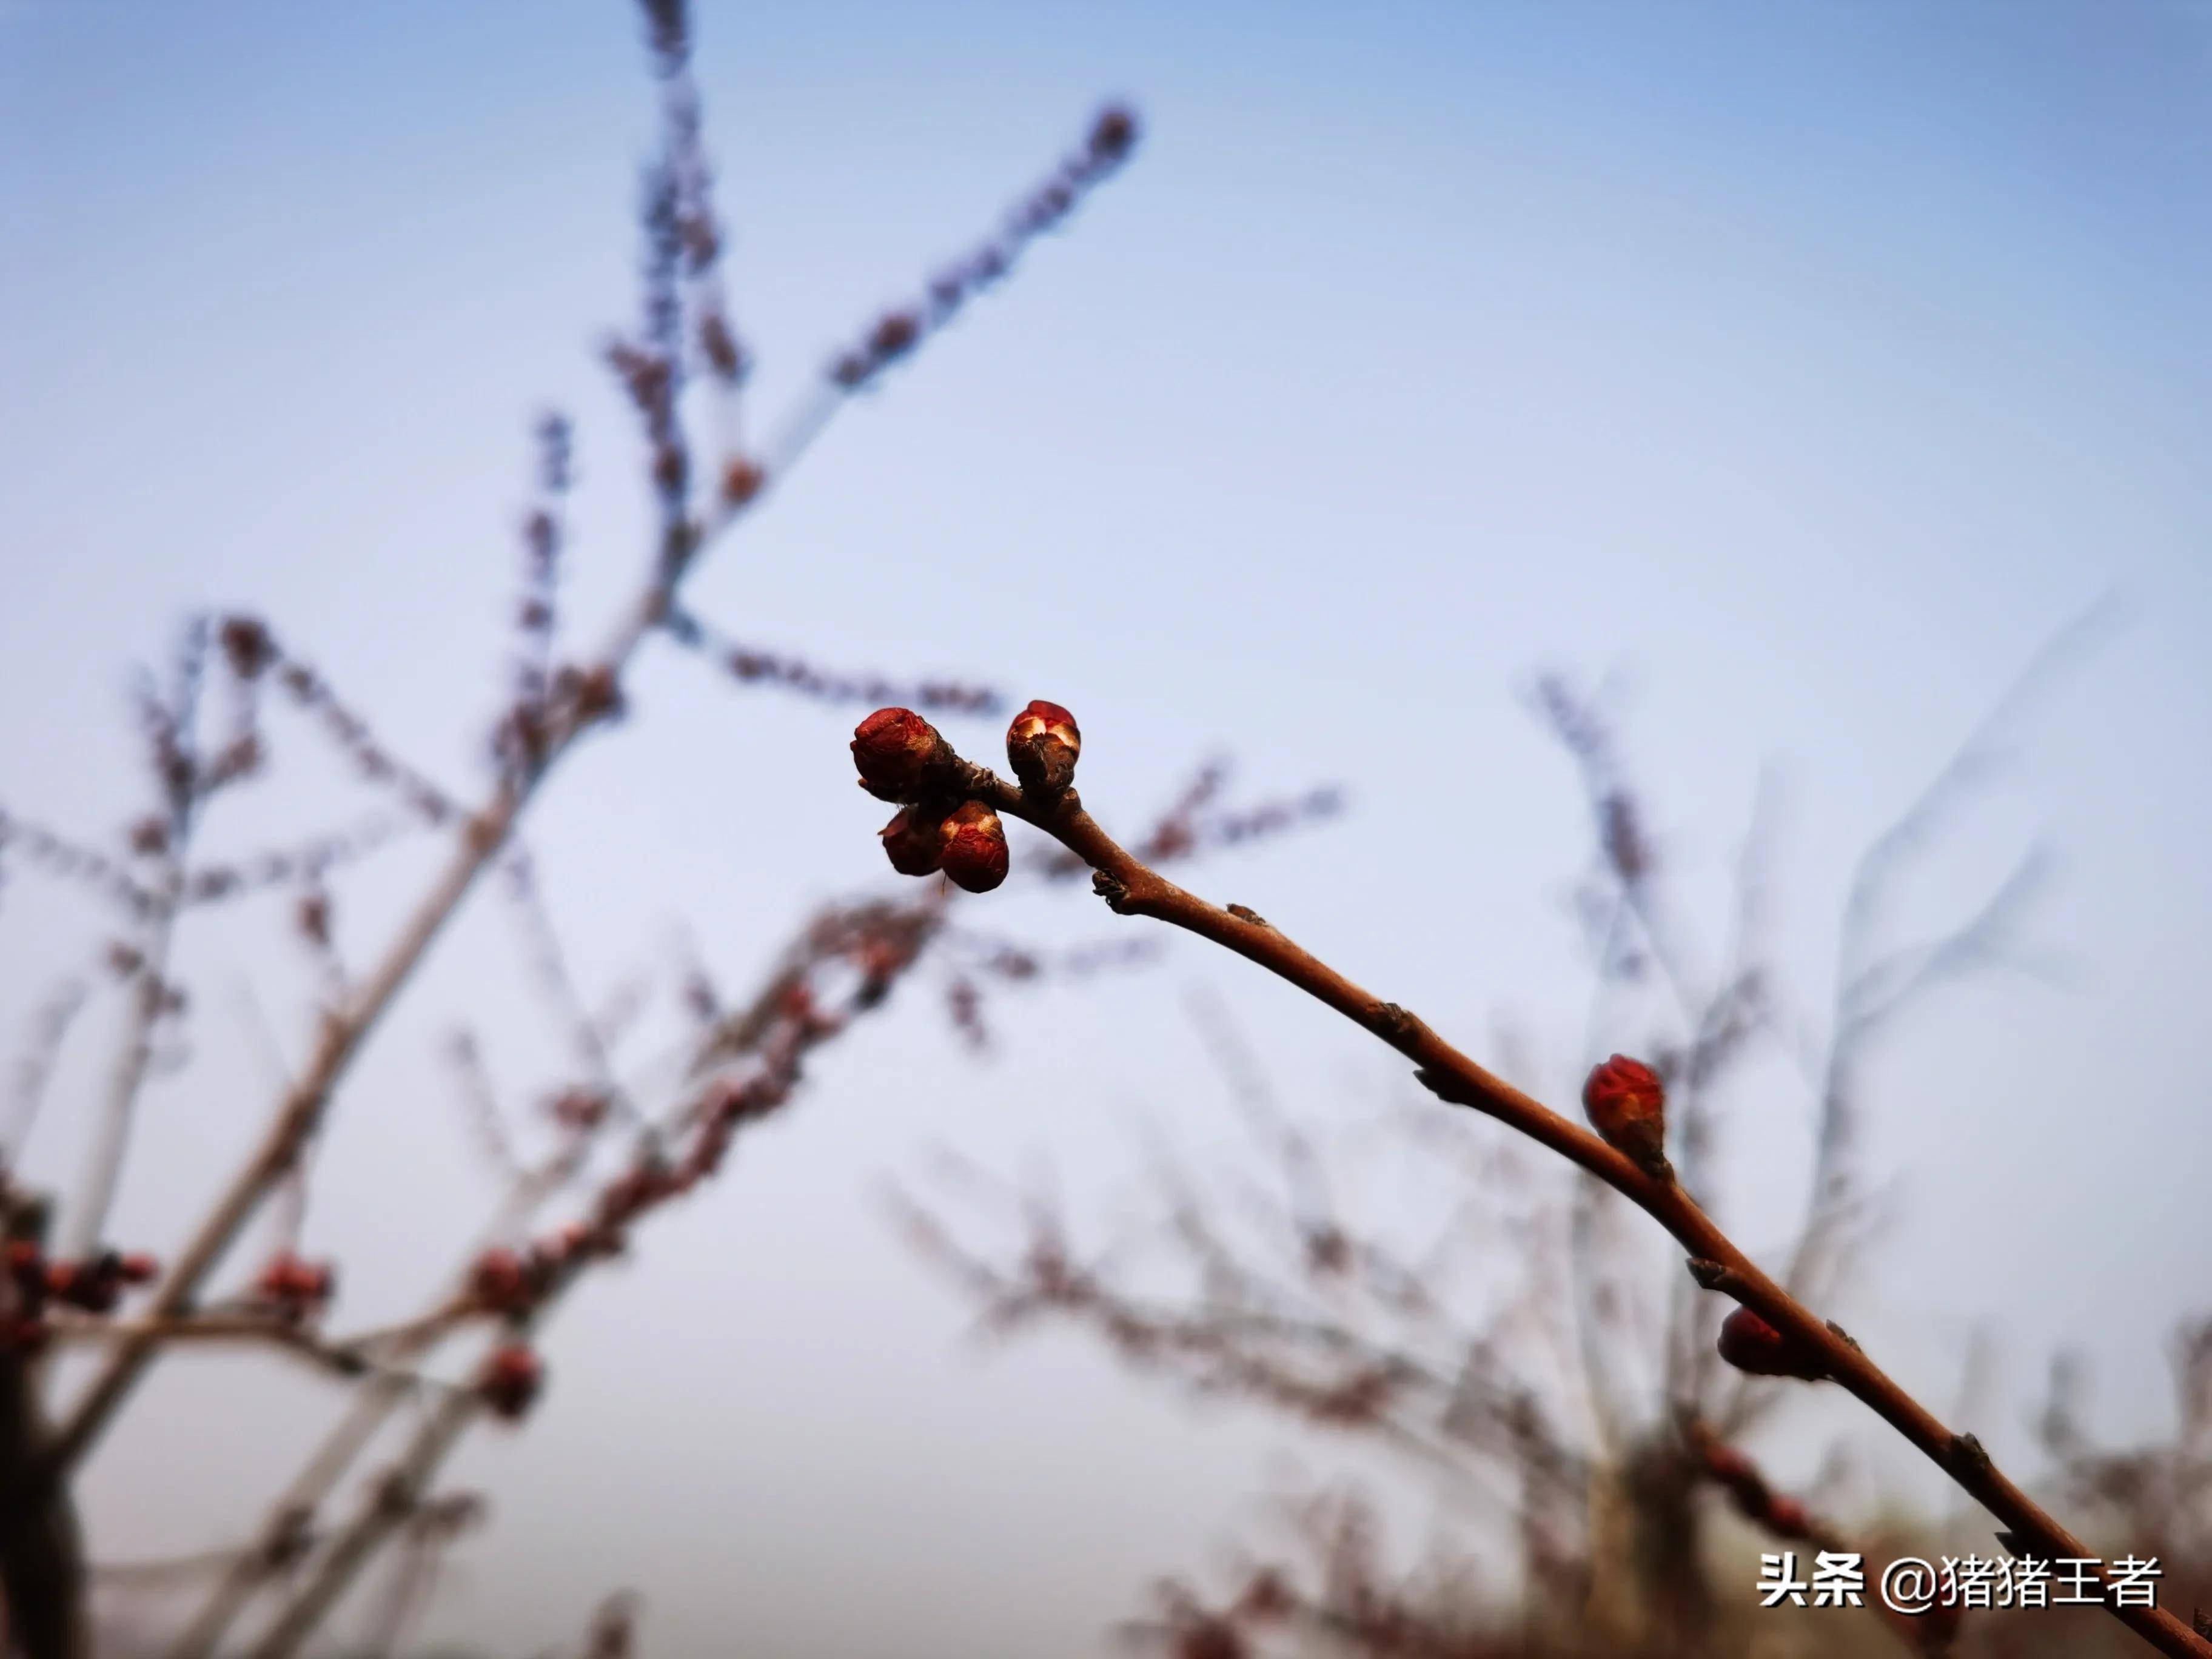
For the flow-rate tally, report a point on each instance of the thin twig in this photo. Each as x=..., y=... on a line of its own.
x=1132, y=887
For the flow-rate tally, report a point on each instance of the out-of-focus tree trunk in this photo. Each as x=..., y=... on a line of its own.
x=42, y=1575
x=1647, y=1593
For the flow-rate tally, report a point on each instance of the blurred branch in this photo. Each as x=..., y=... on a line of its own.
x=752, y=665
x=180, y=786
x=581, y=701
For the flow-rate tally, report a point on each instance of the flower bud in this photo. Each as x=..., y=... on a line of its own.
x=76, y=1284
x=503, y=1282
x=913, y=842
x=1042, y=745
x=1786, y=1518
x=1750, y=1343
x=510, y=1380
x=293, y=1288
x=741, y=481
x=972, y=847
x=1627, y=1105
x=898, y=754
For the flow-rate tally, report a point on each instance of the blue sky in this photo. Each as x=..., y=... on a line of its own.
x=1805, y=367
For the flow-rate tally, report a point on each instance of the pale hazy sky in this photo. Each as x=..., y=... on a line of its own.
x=1809, y=365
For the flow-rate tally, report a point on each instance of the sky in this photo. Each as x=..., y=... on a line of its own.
x=1799, y=371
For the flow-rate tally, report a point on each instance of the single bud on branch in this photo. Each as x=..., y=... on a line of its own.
x=1042, y=745
x=1627, y=1105
x=502, y=1281
x=972, y=847
x=295, y=1289
x=510, y=1380
x=1750, y=1343
x=898, y=754
x=913, y=842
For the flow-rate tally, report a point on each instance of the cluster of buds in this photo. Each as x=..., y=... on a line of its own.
x=1627, y=1106
x=901, y=757
x=1750, y=1343
x=510, y=1380
x=97, y=1285
x=93, y=1286
x=294, y=1289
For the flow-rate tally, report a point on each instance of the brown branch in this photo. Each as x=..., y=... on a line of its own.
x=177, y=779
x=1132, y=887
x=590, y=694
x=150, y=998
x=294, y=1510
x=348, y=1359
x=754, y=665
x=73, y=862
x=35, y=1068
x=775, y=1030
x=391, y=1502
x=1785, y=1518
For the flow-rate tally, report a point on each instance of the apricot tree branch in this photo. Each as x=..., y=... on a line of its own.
x=583, y=701
x=951, y=820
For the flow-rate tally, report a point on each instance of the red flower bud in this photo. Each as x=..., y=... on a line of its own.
x=510, y=1380
x=1042, y=745
x=295, y=1288
x=894, y=335
x=1786, y=1517
x=913, y=842
x=1750, y=1343
x=741, y=481
x=246, y=643
x=1627, y=1105
x=1113, y=133
x=136, y=1267
x=972, y=847
x=501, y=1282
x=899, y=754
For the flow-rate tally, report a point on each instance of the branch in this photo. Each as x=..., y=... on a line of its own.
x=585, y=698
x=752, y=665
x=349, y=1359
x=878, y=942
x=178, y=779
x=1879, y=867
x=1785, y=1518
x=932, y=778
